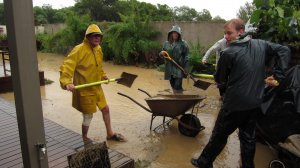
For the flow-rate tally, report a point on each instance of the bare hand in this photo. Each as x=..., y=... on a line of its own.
x=105, y=78
x=271, y=81
x=161, y=54
x=204, y=61
x=70, y=87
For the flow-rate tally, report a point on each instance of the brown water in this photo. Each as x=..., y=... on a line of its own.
x=165, y=148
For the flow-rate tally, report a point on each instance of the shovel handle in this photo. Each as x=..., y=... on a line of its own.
x=96, y=83
x=166, y=55
x=206, y=76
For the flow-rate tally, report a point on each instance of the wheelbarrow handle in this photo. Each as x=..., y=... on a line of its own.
x=97, y=83
x=144, y=92
x=145, y=108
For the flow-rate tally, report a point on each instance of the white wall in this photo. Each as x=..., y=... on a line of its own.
x=38, y=29
x=3, y=29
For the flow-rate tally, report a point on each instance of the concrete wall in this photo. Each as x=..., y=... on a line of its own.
x=3, y=29
x=207, y=33
x=53, y=28
x=38, y=29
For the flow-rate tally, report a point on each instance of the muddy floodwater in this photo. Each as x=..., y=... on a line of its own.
x=164, y=148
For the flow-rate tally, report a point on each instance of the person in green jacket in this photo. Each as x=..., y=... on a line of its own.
x=178, y=51
x=84, y=65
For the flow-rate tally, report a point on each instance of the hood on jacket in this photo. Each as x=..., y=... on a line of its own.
x=176, y=29
x=93, y=29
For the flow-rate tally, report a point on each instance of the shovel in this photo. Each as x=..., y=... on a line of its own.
x=126, y=79
x=205, y=76
x=197, y=83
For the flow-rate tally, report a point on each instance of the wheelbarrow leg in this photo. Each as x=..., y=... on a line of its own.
x=152, y=118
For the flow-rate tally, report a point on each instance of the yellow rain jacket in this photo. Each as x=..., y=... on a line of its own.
x=84, y=65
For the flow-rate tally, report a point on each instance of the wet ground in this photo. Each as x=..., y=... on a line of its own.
x=164, y=148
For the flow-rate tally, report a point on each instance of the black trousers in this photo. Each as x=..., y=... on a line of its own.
x=226, y=123
x=176, y=83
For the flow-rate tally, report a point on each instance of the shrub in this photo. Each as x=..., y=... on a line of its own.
x=73, y=34
x=196, y=54
x=130, y=39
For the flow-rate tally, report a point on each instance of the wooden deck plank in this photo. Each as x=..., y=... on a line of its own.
x=71, y=139
x=64, y=153
x=61, y=162
x=51, y=128
x=56, y=151
x=9, y=155
x=10, y=145
x=62, y=165
x=123, y=162
x=63, y=136
x=10, y=159
x=59, y=134
x=54, y=147
x=77, y=145
x=7, y=120
x=5, y=126
x=116, y=158
x=61, y=142
x=12, y=129
x=112, y=153
x=14, y=149
x=18, y=163
x=9, y=136
x=4, y=143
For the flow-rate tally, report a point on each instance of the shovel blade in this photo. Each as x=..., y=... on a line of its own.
x=127, y=79
x=202, y=84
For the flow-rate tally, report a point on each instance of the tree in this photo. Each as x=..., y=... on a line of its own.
x=164, y=13
x=39, y=16
x=277, y=20
x=99, y=10
x=218, y=19
x=130, y=39
x=246, y=11
x=71, y=35
x=47, y=15
x=204, y=15
x=185, y=13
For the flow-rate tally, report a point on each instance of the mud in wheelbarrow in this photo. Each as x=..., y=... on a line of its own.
x=174, y=106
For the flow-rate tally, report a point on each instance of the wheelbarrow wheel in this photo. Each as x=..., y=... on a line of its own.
x=276, y=164
x=193, y=123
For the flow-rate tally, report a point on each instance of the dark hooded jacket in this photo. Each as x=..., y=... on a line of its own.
x=242, y=69
x=178, y=51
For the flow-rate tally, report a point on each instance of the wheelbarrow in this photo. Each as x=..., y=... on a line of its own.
x=174, y=106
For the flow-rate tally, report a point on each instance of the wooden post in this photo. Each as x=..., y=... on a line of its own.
x=24, y=68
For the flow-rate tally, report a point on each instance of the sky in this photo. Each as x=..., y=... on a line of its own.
x=226, y=9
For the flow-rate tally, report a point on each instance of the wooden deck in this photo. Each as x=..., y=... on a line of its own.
x=61, y=142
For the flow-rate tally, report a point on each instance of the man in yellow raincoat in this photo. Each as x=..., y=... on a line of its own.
x=84, y=65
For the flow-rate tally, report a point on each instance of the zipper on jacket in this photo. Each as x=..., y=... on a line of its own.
x=94, y=56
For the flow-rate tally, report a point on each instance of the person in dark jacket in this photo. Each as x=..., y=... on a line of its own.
x=241, y=77
x=178, y=51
